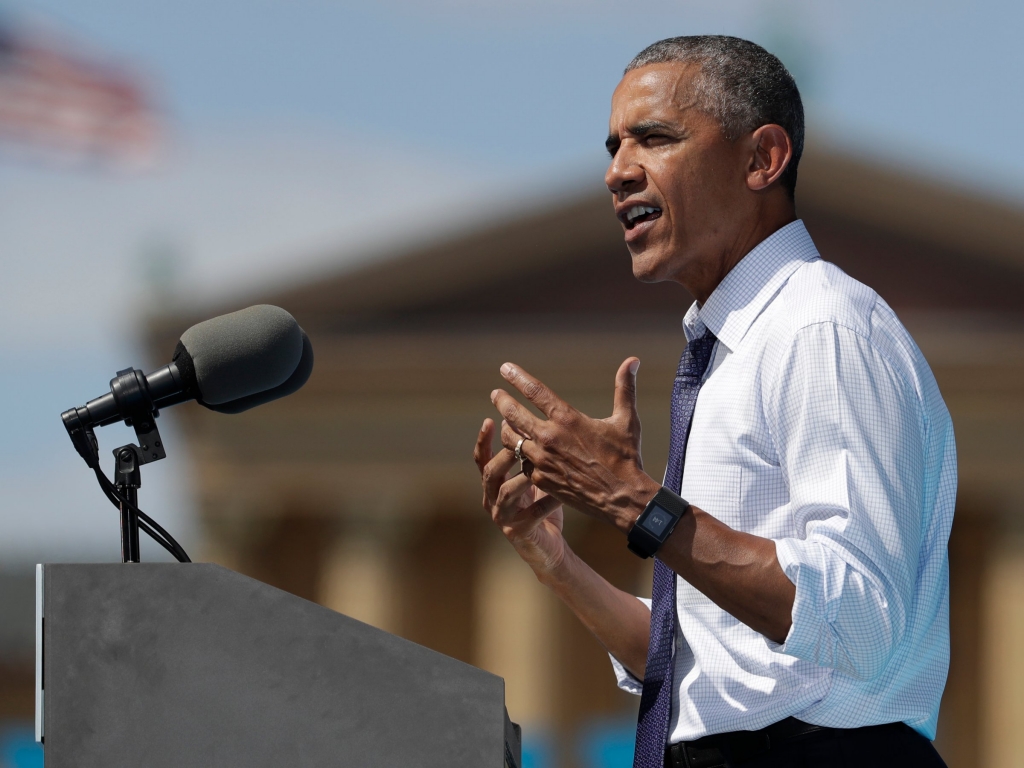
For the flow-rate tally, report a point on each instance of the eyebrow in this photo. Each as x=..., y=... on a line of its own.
x=640, y=129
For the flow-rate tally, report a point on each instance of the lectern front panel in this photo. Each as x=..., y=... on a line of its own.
x=194, y=665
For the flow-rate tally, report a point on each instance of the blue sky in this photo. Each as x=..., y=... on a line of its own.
x=508, y=85
x=308, y=132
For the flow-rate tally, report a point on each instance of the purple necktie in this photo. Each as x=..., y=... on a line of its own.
x=656, y=699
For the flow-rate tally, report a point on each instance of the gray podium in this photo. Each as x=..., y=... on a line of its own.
x=153, y=665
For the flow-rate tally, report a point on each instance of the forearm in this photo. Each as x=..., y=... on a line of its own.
x=738, y=571
x=619, y=621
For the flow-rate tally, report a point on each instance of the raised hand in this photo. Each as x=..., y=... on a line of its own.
x=593, y=465
x=532, y=522
x=530, y=519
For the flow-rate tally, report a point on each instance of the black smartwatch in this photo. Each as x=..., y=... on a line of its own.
x=656, y=522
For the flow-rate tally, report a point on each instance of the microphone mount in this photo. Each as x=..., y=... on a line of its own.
x=132, y=401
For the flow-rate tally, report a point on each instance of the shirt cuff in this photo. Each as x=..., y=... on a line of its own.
x=623, y=677
x=818, y=588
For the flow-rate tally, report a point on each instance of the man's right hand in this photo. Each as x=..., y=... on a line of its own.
x=530, y=519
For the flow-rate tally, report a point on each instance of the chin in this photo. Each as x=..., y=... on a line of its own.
x=647, y=267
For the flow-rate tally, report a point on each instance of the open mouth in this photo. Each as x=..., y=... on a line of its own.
x=641, y=213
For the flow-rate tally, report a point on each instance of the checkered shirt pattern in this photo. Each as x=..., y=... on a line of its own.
x=656, y=699
x=820, y=426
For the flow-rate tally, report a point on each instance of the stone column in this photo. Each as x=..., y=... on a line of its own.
x=517, y=633
x=1002, y=742
x=359, y=578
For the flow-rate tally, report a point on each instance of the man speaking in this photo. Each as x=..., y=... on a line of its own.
x=800, y=600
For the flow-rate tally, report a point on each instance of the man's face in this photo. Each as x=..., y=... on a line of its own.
x=679, y=187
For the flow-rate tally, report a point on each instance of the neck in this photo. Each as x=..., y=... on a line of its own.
x=712, y=271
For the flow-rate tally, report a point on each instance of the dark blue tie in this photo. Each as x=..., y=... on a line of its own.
x=656, y=699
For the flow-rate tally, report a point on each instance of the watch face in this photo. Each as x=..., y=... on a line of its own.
x=657, y=521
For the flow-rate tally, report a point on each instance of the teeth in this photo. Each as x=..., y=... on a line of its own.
x=638, y=210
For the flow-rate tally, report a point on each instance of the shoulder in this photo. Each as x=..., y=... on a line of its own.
x=822, y=304
x=819, y=292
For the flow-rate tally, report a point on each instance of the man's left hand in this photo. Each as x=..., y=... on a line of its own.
x=593, y=465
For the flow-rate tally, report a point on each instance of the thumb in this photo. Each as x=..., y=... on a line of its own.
x=624, y=404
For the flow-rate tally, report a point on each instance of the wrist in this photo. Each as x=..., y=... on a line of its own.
x=640, y=493
x=657, y=522
x=560, y=574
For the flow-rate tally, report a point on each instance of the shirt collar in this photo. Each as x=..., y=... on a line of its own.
x=751, y=285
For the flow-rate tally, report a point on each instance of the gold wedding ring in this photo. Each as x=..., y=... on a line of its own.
x=519, y=449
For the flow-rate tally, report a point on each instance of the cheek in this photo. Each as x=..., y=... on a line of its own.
x=684, y=183
x=705, y=192
x=687, y=199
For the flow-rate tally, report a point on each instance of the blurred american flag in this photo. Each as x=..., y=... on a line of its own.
x=61, y=104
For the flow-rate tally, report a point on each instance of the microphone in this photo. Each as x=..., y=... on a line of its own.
x=228, y=364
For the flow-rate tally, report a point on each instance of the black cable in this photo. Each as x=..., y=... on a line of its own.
x=160, y=536
x=176, y=551
x=164, y=539
x=114, y=499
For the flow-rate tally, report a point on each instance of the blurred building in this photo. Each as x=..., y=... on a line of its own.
x=360, y=492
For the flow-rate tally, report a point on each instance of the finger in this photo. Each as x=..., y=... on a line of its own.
x=543, y=507
x=530, y=515
x=510, y=439
x=507, y=501
x=624, y=400
x=534, y=390
x=495, y=472
x=482, y=451
x=514, y=412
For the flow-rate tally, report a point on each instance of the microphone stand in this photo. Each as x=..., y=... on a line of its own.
x=127, y=479
x=128, y=459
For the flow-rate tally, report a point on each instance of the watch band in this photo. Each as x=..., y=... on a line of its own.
x=656, y=523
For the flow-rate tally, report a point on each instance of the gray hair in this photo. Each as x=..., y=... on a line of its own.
x=740, y=84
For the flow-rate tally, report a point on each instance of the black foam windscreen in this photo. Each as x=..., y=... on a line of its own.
x=244, y=353
x=293, y=384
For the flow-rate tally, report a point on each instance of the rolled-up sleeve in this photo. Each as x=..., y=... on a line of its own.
x=623, y=678
x=850, y=436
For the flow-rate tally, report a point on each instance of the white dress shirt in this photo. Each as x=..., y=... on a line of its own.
x=820, y=426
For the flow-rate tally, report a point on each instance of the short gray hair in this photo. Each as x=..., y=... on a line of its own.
x=740, y=84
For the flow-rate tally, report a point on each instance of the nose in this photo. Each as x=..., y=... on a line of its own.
x=624, y=172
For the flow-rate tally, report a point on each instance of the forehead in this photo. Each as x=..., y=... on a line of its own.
x=657, y=91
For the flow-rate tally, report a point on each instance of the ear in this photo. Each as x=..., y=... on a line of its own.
x=773, y=150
